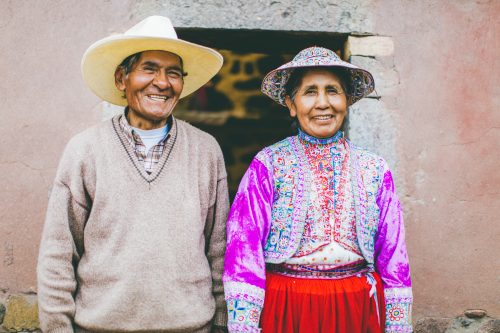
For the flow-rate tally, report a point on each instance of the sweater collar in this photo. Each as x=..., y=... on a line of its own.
x=131, y=134
x=169, y=143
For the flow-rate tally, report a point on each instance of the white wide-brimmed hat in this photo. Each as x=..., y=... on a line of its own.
x=153, y=33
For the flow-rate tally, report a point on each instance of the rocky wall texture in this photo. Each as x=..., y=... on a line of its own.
x=18, y=313
x=319, y=15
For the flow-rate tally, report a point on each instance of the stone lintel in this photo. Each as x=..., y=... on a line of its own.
x=369, y=46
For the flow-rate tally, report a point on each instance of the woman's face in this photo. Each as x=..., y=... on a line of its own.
x=320, y=103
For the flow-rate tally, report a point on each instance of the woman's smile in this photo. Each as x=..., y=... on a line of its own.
x=320, y=104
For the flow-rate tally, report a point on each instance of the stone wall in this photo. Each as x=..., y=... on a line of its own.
x=18, y=313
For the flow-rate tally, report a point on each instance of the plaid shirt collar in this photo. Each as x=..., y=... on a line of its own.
x=149, y=158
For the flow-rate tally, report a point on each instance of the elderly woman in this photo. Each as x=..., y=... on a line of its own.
x=315, y=234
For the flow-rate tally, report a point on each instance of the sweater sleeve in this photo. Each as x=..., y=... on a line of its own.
x=215, y=236
x=247, y=230
x=61, y=247
x=391, y=259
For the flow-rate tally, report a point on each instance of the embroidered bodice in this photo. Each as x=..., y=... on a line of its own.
x=329, y=235
x=294, y=201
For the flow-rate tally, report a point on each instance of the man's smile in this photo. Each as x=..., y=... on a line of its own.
x=161, y=98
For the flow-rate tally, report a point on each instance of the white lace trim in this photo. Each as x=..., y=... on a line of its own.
x=245, y=291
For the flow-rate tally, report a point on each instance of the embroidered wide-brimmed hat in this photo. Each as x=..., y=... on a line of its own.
x=273, y=85
x=153, y=33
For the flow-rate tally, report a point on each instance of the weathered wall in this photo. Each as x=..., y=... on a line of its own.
x=43, y=103
x=436, y=121
x=446, y=55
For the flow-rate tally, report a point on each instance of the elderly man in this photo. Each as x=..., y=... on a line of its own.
x=135, y=229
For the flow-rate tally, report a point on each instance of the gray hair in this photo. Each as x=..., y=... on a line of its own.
x=128, y=63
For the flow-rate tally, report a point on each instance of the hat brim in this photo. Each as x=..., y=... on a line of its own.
x=274, y=83
x=101, y=59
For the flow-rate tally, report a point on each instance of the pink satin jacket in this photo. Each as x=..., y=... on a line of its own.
x=266, y=223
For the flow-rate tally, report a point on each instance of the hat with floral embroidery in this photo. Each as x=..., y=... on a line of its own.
x=274, y=83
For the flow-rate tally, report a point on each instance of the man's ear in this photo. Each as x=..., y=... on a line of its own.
x=120, y=79
x=291, y=106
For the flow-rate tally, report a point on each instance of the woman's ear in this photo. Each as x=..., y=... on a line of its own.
x=349, y=100
x=291, y=106
x=120, y=79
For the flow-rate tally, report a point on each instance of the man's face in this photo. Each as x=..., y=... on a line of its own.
x=152, y=88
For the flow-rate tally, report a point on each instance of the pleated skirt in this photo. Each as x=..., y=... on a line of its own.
x=298, y=305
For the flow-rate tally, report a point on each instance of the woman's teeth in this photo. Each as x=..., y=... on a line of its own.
x=326, y=117
x=158, y=97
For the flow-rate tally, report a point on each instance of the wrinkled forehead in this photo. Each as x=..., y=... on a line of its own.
x=160, y=56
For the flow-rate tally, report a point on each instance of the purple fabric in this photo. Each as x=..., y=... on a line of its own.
x=391, y=259
x=248, y=227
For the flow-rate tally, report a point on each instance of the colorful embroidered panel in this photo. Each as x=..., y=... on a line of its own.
x=242, y=313
x=398, y=310
x=331, y=213
x=291, y=182
x=367, y=172
x=244, y=305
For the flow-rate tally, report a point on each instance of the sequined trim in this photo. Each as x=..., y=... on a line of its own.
x=318, y=141
x=244, y=291
x=366, y=174
x=236, y=328
x=292, y=185
x=320, y=272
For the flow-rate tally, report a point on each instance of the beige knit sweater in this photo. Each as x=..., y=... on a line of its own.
x=124, y=251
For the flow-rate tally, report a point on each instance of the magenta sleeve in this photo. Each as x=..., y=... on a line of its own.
x=244, y=267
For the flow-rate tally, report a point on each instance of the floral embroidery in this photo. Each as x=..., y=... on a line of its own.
x=398, y=309
x=367, y=174
x=331, y=213
x=291, y=197
x=291, y=188
x=244, y=305
x=273, y=85
x=396, y=313
x=242, y=312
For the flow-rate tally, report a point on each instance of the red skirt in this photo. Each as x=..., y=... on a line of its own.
x=298, y=305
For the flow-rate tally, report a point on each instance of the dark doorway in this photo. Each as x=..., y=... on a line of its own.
x=231, y=106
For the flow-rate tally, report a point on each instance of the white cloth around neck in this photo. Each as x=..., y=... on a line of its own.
x=151, y=137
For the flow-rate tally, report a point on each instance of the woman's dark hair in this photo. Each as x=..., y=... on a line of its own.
x=295, y=79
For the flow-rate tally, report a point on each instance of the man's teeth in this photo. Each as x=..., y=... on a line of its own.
x=158, y=97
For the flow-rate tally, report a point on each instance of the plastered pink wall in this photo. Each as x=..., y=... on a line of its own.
x=43, y=102
x=448, y=133
x=446, y=53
